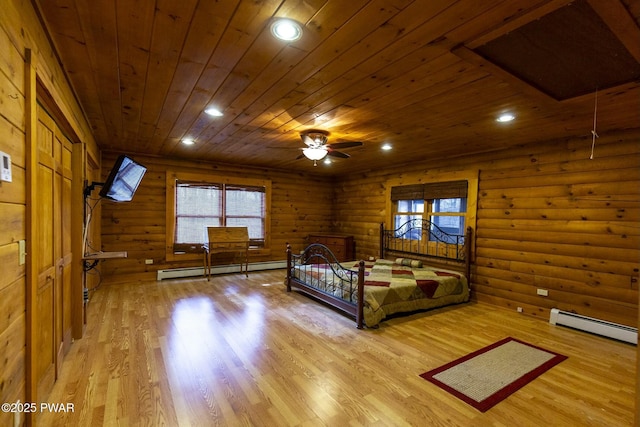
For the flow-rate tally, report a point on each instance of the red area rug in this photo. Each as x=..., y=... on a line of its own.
x=487, y=376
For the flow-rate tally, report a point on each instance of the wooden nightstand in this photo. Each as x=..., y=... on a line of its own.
x=342, y=246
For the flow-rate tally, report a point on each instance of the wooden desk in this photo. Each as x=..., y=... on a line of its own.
x=226, y=240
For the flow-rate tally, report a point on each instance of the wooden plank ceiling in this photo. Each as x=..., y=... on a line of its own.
x=408, y=73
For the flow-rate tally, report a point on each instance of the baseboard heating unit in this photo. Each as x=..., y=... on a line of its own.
x=595, y=326
x=176, y=273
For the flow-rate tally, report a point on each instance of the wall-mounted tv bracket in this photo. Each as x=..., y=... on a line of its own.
x=90, y=265
x=88, y=189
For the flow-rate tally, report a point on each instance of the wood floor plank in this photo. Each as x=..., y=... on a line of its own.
x=241, y=351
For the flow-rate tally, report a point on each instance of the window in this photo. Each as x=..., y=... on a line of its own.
x=448, y=215
x=197, y=202
x=197, y=206
x=245, y=207
x=408, y=210
x=443, y=203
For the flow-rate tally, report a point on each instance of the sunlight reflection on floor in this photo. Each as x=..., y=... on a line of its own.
x=199, y=338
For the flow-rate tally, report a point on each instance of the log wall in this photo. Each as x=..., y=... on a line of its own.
x=300, y=204
x=548, y=218
x=20, y=31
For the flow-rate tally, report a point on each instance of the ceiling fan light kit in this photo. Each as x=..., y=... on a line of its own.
x=315, y=153
x=318, y=148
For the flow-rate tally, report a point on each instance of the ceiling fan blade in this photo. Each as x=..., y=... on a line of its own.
x=301, y=156
x=346, y=144
x=334, y=153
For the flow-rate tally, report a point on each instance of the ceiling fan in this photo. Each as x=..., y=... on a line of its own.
x=318, y=148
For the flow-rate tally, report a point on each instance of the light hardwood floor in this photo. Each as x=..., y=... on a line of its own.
x=237, y=351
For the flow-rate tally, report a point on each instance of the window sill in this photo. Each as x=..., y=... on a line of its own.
x=197, y=254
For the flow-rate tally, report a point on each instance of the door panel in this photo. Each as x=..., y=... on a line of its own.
x=66, y=254
x=53, y=254
x=44, y=233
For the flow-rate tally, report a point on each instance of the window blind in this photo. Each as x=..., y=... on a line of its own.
x=202, y=205
x=198, y=205
x=445, y=190
x=245, y=207
x=407, y=192
x=436, y=190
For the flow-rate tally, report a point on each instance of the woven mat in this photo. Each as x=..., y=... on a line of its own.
x=487, y=376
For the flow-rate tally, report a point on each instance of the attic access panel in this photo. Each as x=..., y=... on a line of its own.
x=565, y=54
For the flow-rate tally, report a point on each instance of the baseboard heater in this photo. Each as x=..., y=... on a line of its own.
x=595, y=326
x=176, y=273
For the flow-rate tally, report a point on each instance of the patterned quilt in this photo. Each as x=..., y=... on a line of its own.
x=392, y=286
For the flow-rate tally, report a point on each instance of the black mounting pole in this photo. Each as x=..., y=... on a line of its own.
x=88, y=189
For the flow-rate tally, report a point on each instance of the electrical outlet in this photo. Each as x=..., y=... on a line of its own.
x=372, y=258
x=148, y=261
x=519, y=309
x=543, y=292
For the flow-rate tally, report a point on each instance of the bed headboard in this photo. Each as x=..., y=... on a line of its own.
x=317, y=253
x=423, y=238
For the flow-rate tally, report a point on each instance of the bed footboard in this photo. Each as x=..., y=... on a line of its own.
x=337, y=286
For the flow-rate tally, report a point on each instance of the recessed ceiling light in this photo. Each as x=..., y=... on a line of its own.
x=213, y=112
x=387, y=147
x=286, y=29
x=188, y=141
x=503, y=118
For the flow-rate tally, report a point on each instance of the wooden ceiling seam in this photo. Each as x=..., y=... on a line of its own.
x=617, y=18
x=523, y=18
x=471, y=57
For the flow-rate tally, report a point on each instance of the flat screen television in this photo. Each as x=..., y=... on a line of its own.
x=123, y=180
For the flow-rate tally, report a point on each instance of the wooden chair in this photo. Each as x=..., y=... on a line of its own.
x=226, y=240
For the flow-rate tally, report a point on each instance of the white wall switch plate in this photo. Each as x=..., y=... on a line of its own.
x=5, y=167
